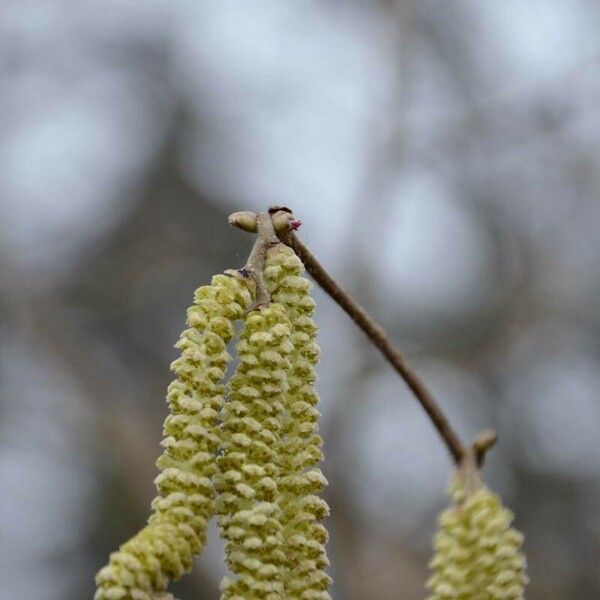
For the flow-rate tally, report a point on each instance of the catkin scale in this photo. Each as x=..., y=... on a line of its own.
x=300, y=445
x=247, y=508
x=163, y=549
x=477, y=552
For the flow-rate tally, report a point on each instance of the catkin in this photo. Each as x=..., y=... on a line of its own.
x=299, y=447
x=248, y=512
x=477, y=552
x=163, y=549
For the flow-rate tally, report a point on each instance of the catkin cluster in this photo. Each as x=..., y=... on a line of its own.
x=477, y=552
x=249, y=450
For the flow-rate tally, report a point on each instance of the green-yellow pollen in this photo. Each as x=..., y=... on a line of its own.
x=162, y=551
x=300, y=445
x=477, y=552
x=248, y=511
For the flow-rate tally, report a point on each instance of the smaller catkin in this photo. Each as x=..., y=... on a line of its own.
x=300, y=446
x=163, y=550
x=477, y=552
x=247, y=508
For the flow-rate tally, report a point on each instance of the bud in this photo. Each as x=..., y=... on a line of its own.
x=282, y=220
x=245, y=220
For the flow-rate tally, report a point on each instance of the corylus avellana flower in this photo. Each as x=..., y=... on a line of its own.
x=477, y=552
x=248, y=512
x=163, y=549
x=300, y=445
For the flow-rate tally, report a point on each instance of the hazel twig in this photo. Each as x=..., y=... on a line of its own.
x=373, y=330
x=254, y=265
x=284, y=225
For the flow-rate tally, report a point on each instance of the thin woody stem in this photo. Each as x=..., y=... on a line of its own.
x=283, y=223
x=380, y=339
x=254, y=265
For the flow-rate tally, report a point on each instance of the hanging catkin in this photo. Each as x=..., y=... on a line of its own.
x=163, y=550
x=477, y=552
x=300, y=445
x=248, y=510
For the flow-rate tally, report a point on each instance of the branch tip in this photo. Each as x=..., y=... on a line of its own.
x=275, y=208
x=484, y=442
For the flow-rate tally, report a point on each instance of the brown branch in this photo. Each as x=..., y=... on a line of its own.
x=281, y=219
x=284, y=225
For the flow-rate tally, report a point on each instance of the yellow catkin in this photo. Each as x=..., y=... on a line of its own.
x=163, y=550
x=477, y=552
x=247, y=508
x=300, y=445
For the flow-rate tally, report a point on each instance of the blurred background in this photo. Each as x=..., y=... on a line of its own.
x=444, y=158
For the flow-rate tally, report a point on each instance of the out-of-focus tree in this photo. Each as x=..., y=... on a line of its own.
x=444, y=158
